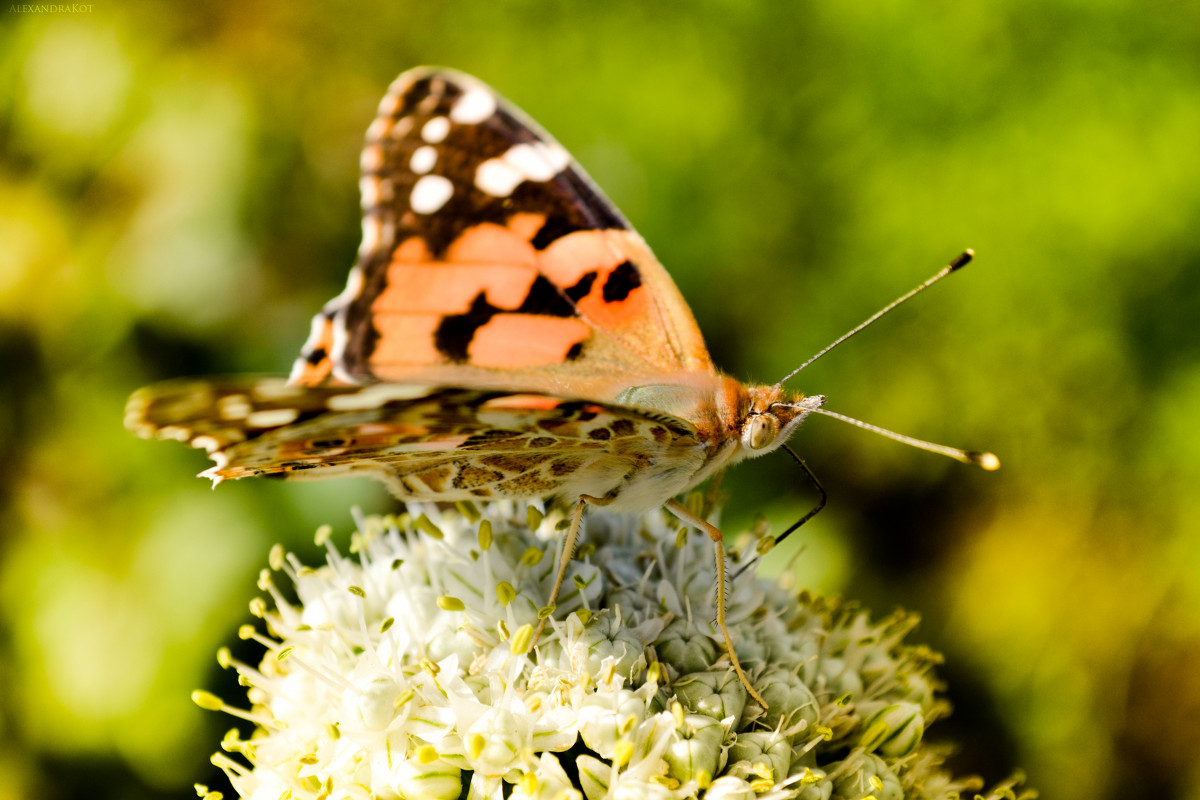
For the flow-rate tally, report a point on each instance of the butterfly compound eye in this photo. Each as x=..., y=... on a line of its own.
x=760, y=431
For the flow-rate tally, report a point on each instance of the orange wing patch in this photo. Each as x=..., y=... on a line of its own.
x=614, y=302
x=516, y=341
x=405, y=339
x=488, y=242
x=496, y=302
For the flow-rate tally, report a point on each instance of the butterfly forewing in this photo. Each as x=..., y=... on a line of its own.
x=490, y=258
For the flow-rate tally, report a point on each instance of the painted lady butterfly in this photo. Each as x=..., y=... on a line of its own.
x=504, y=333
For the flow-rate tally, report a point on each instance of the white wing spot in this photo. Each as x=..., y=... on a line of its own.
x=378, y=128
x=372, y=235
x=273, y=418
x=206, y=443
x=375, y=396
x=371, y=158
x=368, y=188
x=533, y=160
x=497, y=178
x=390, y=103
x=176, y=432
x=276, y=388
x=354, y=285
x=522, y=162
x=557, y=155
x=423, y=159
x=430, y=193
x=473, y=107
x=234, y=406
x=435, y=130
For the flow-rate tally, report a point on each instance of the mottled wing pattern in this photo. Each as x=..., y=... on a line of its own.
x=426, y=443
x=489, y=258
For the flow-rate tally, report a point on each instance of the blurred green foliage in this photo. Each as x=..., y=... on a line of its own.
x=178, y=196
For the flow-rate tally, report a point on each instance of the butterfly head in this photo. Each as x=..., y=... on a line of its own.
x=772, y=418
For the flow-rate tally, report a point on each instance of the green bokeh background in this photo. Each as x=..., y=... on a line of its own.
x=178, y=194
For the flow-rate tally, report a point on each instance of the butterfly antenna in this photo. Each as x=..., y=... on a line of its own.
x=983, y=458
x=958, y=263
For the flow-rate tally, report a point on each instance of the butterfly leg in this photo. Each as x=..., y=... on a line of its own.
x=567, y=551
x=714, y=533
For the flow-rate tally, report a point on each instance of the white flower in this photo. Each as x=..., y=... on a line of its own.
x=408, y=670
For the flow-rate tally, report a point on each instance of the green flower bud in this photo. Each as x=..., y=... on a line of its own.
x=717, y=694
x=839, y=679
x=894, y=730
x=604, y=639
x=791, y=704
x=696, y=749
x=871, y=777
x=758, y=755
x=685, y=647
x=814, y=785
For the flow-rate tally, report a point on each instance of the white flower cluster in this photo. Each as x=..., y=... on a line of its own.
x=409, y=670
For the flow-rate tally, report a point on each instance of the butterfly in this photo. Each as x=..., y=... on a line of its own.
x=504, y=333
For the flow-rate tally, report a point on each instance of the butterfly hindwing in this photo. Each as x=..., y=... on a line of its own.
x=425, y=442
x=490, y=258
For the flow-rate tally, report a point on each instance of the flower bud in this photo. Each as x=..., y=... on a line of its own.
x=717, y=694
x=839, y=679
x=685, y=647
x=894, y=730
x=760, y=755
x=871, y=776
x=791, y=704
x=604, y=719
x=696, y=749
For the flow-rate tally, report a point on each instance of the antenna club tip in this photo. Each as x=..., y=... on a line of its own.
x=988, y=461
x=962, y=259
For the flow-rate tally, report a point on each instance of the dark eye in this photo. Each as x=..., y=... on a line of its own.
x=761, y=430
